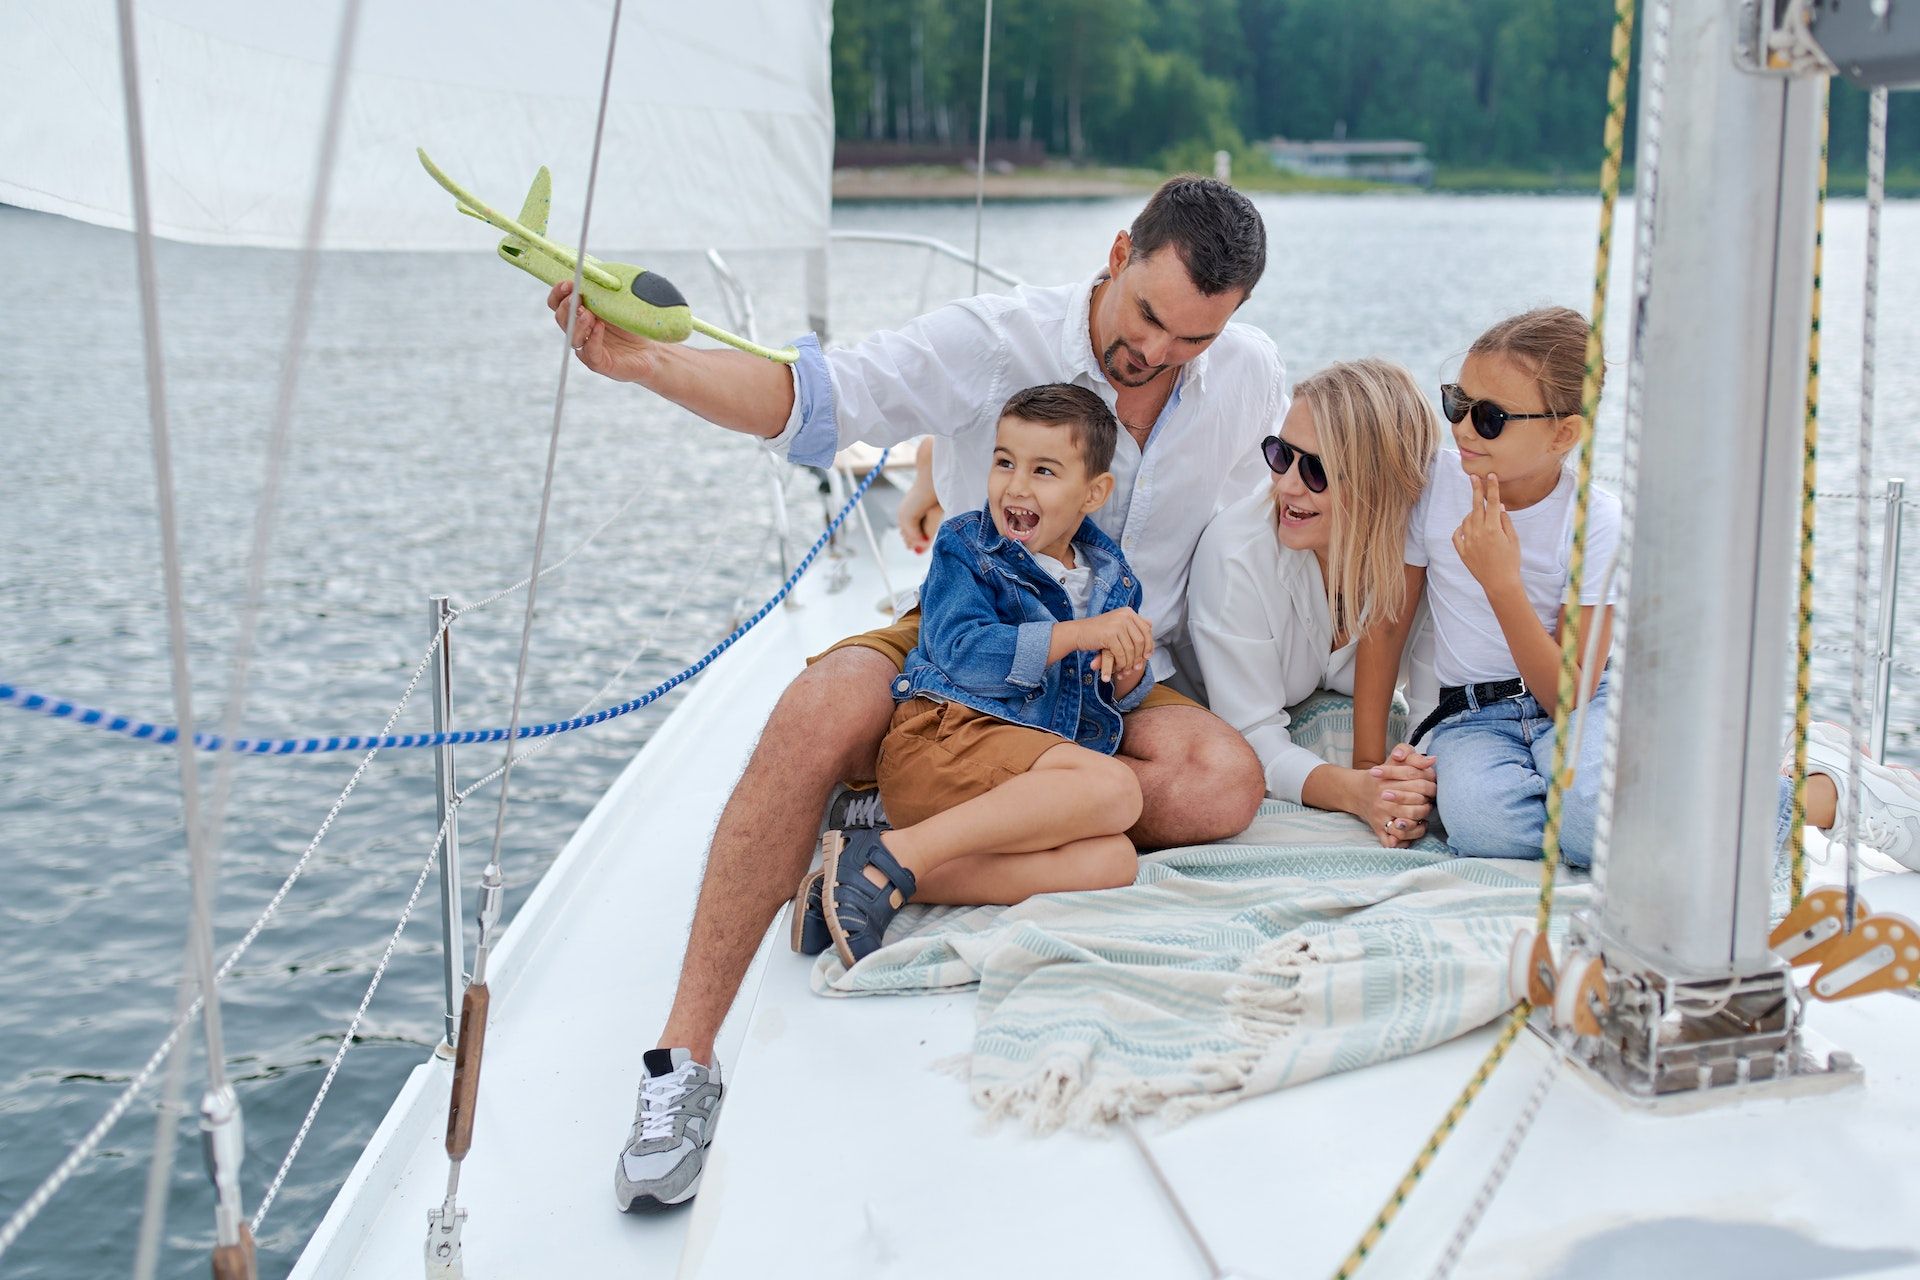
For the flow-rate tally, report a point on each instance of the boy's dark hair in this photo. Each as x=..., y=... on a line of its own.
x=1095, y=431
x=1218, y=233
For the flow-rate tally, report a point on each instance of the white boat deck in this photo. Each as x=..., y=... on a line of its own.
x=906, y=1182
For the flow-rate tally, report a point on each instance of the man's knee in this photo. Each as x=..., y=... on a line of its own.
x=837, y=710
x=1210, y=776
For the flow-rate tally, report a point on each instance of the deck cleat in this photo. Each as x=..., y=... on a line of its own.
x=1808, y=933
x=1882, y=953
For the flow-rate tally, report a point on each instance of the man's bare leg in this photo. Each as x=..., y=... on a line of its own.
x=826, y=727
x=1199, y=780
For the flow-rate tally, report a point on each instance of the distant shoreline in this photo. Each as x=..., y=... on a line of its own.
x=956, y=183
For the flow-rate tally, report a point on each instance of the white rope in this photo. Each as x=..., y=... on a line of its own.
x=1858, y=711
x=347, y=1039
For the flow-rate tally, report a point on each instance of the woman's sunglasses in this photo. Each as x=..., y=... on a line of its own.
x=1280, y=456
x=1489, y=419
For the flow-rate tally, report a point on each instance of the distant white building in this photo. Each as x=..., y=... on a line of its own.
x=1385, y=160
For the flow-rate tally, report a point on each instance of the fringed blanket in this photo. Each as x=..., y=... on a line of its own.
x=1226, y=971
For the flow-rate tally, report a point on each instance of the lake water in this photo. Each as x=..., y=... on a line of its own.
x=421, y=432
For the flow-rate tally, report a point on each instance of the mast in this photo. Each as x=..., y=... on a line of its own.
x=1724, y=327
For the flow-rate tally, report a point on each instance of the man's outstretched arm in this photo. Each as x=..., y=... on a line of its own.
x=728, y=388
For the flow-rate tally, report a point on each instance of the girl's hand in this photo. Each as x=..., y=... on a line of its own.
x=1485, y=540
x=1394, y=800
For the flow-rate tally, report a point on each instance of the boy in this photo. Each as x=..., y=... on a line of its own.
x=998, y=766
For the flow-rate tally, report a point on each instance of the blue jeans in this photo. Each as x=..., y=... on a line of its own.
x=1492, y=763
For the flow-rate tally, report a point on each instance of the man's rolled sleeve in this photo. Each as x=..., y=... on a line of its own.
x=1030, y=655
x=811, y=437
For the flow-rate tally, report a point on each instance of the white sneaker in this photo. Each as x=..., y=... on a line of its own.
x=667, y=1150
x=1889, y=801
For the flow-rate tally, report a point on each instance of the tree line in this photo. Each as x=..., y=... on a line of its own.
x=1483, y=83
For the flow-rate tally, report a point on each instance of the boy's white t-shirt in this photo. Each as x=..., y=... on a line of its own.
x=1469, y=647
x=1076, y=582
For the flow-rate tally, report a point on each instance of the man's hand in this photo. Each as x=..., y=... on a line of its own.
x=1486, y=541
x=920, y=511
x=1124, y=638
x=606, y=349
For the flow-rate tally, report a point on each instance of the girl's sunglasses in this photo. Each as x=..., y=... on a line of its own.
x=1489, y=419
x=1280, y=456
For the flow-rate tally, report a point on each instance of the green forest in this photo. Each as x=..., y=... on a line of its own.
x=1492, y=87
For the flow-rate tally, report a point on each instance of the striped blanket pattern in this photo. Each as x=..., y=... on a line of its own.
x=1298, y=950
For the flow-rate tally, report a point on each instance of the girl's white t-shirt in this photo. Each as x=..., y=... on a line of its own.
x=1469, y=647
x=1077, y=582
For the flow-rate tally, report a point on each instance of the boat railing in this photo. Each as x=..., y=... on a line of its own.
x=936, y=249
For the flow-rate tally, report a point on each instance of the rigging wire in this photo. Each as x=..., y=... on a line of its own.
x=980, y=161
x=37, y=1200
x=1863, y=518
x=348, y=1037
x=220, y=1108
x=160, y=1167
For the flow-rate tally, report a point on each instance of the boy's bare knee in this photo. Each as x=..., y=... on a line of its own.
x=1119, y=863
x=1119, y=792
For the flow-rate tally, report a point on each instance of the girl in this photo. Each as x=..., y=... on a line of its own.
x=1490, y=542
x=1285, y=580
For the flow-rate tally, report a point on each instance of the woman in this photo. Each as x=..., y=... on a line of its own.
x=1286, y=580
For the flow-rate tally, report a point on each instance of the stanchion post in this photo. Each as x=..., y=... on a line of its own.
x=1891, y=524
x=452, y=921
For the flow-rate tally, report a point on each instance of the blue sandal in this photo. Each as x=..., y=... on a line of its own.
x=857, y=910
x=809, y=934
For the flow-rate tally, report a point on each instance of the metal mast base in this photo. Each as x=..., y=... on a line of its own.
x=1674, y=1043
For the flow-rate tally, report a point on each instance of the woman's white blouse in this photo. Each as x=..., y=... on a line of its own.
x=1263, y=634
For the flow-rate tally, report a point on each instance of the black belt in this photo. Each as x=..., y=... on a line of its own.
x=1453, y=700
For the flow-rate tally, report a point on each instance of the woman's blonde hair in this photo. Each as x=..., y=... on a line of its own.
x=1551, y=344
x=1378, y=437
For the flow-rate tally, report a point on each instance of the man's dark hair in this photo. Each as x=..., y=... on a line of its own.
x=1095, y=431
x=1216, y=230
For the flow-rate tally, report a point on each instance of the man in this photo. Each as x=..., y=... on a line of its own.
x=1195, y=394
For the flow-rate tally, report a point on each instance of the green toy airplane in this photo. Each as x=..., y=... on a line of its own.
x=635, y=299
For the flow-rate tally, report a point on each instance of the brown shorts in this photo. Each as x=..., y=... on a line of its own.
x=896, y=642
x=940, y=754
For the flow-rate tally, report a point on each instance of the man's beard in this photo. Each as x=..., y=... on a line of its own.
x=1112, y=366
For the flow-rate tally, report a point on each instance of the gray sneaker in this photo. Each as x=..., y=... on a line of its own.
x=1889, y=800
x=672, y=1125
x=850, y=810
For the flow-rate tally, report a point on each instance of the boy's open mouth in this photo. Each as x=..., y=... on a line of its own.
x=1020, y=522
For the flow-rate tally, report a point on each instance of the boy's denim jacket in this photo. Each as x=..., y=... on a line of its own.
x=987, y=612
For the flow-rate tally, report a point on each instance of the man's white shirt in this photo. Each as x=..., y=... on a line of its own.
x=948, y=372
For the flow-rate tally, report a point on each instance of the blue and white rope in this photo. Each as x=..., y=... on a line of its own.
x=145, y=731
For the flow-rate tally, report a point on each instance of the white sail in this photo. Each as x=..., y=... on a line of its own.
x=719, y=130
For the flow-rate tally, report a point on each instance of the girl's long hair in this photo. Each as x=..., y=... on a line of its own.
x=1378, y=437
